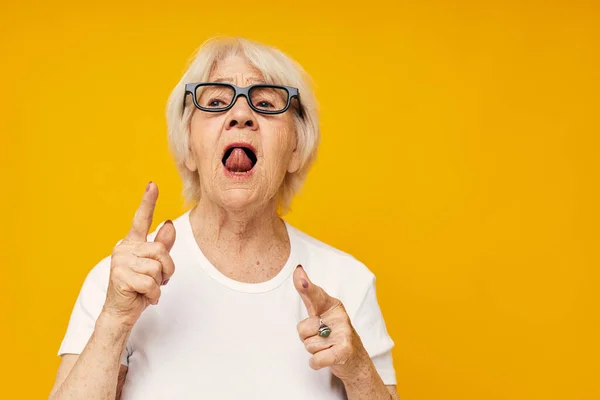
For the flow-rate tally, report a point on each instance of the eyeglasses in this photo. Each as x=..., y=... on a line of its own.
x=262, y=98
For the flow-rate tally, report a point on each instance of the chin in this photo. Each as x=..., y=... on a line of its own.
x=238, y=199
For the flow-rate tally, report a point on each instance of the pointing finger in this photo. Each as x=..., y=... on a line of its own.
x=316, y=300
x=142, y=220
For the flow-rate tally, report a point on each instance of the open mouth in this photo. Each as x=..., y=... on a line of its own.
x=239, y=159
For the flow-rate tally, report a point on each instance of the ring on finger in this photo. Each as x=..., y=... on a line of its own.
x=324, y=330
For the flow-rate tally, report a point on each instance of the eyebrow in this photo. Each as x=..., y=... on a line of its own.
x=230, y=80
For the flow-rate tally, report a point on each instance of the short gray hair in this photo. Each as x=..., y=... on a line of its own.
x=277, y=68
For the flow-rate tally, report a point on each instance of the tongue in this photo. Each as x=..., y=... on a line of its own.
x=238, y=161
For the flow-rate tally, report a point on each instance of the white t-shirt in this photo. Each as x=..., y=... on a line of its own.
x=211, y=337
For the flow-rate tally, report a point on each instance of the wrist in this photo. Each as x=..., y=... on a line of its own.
x=362, y=374
x=113, y=322
x=365, y=382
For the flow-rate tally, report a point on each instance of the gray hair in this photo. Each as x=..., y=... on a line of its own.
x=277, y=68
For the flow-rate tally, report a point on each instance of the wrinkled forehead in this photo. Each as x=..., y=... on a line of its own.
x=237, y=70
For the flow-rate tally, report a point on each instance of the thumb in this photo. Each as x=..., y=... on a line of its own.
x=166, y=234
x=315, y=299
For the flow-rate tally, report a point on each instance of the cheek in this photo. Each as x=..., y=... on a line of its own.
x=202, y=139
x=284, y=140
x=278, y=148
x=280, y=145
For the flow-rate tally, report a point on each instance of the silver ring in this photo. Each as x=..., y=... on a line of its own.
x=324, y=330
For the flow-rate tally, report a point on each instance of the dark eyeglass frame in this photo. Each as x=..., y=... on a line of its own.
x=190, y=88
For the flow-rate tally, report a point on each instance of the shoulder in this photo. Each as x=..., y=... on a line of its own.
x=328, y=259
x=339, y=273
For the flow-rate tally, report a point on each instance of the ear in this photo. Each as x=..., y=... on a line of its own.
x=294, y=164
x=190, y=161
x=295, y=159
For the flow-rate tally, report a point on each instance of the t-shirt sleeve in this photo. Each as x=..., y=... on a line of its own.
x=370, y=326
x=87, y=308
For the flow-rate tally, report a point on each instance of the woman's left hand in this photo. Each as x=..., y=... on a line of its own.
x=342, y=350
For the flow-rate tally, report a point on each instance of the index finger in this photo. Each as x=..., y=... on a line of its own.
x=142, y=220
x=315, y=298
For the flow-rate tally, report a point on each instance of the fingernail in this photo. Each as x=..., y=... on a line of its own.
x=169, y=222
x=165, y=282
x=148, y=186
x=304, y=283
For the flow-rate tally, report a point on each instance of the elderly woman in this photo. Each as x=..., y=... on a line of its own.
x=250, y=307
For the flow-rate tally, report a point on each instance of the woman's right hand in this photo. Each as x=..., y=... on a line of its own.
x=139, y=268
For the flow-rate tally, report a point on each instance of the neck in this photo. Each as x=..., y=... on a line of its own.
x=238, y=232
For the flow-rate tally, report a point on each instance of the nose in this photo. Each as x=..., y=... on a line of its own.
x=241, y=116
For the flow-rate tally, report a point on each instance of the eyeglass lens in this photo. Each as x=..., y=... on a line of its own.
x=263, y=98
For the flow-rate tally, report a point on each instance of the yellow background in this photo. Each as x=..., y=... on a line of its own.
x=459, y=162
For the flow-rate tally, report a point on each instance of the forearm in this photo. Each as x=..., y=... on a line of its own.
x=94, y=376
x=366, y=384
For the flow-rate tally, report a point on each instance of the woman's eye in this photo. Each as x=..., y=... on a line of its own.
x=215, y=103
x=264, y=104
